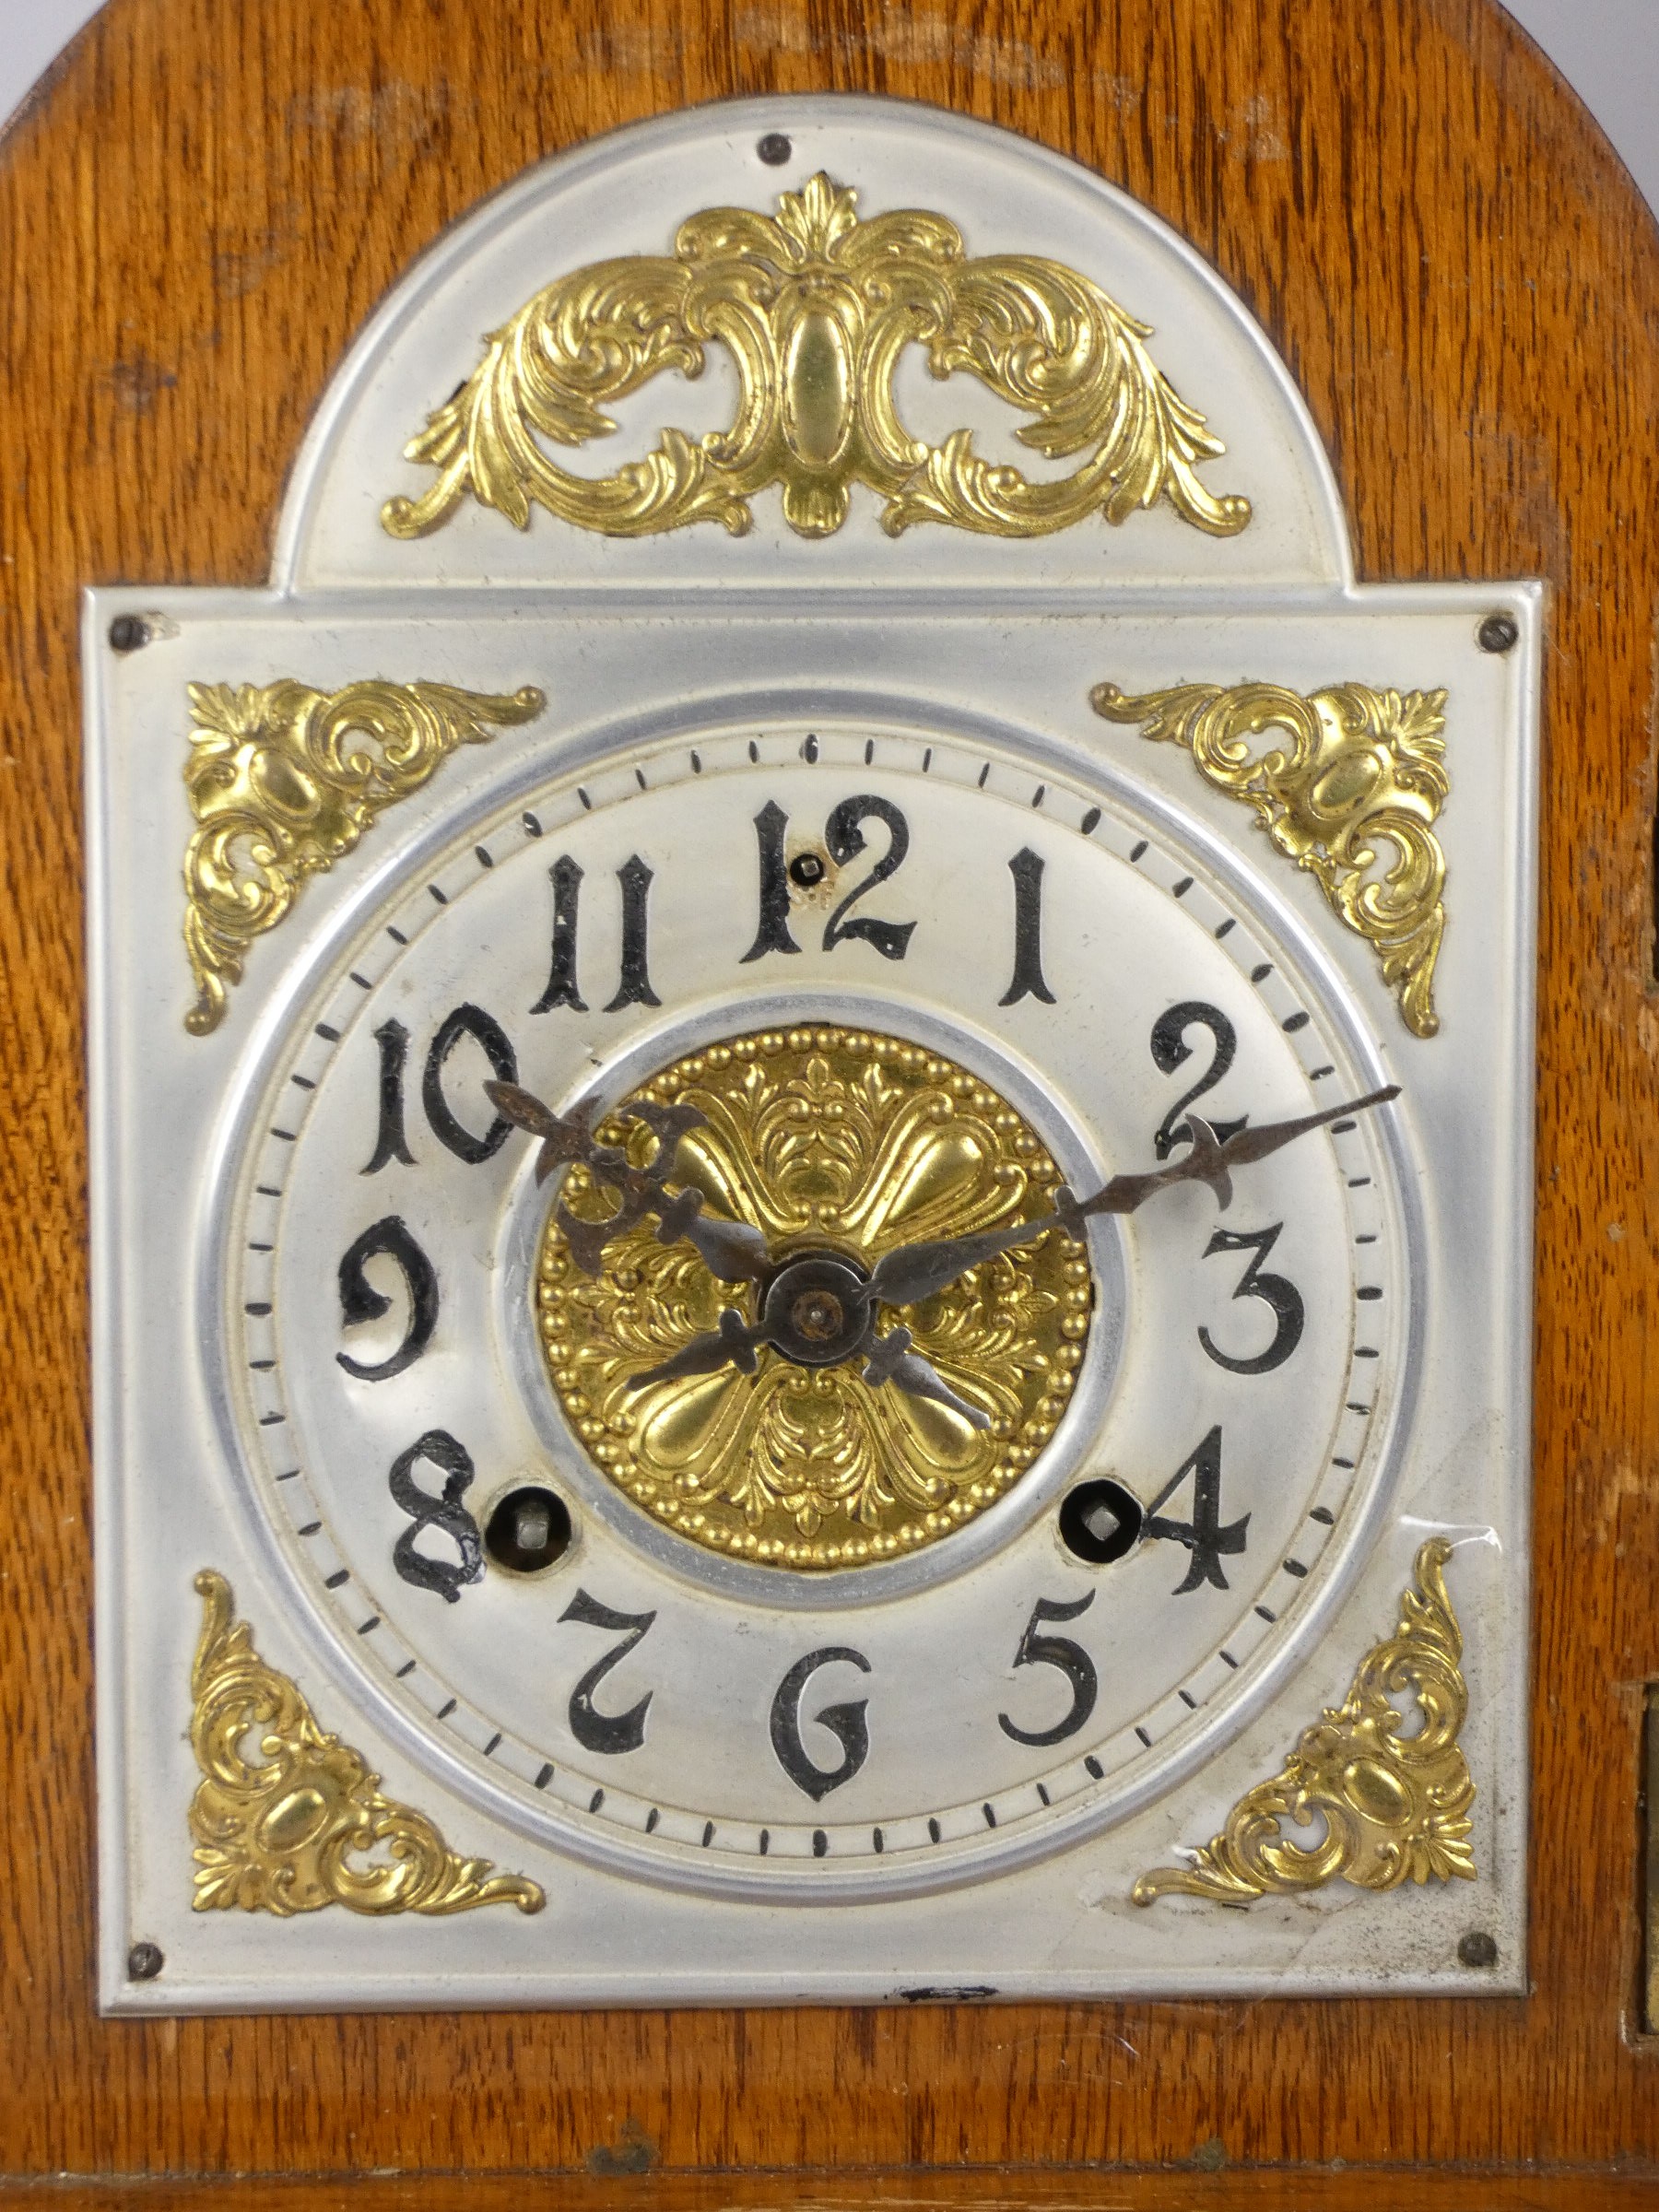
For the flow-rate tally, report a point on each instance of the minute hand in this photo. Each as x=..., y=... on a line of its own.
x=912, y=1271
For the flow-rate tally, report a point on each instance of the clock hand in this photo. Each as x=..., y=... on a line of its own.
x=892, y=1361
x=912, y=1271
x=732, y=1339
x=732, y=1251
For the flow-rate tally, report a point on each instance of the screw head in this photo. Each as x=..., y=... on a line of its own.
x=1478, y=1949
x=145, y=1962
x=1498, y=633
x=774, y=150
x=128, y=632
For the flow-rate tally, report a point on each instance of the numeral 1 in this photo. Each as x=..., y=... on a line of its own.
x=1025, y=867
x=633, y=986
x=390, y=1142
x=771, y=826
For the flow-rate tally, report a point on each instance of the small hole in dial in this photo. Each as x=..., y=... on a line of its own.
x=529, y=1529
x=774, y=150
x=808, y=870
x=1100, y=1521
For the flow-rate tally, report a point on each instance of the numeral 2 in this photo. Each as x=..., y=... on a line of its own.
x=1171, y=1049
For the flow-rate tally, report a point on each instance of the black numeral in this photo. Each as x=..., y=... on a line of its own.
x=844, y=841
x=1073, y=1662
x=393, y=1042
x=844, y=835
x=1203, y=1534
x=771, y=826
x=445, y=1513
x=1025, y=867
x=491, y=1039
x=846, y=1723
x=390, y=1143
x=360, y=1302
x=1171, y=1049
x=1275, y=1292
x=565, y=875
x=594, y=1730
x=633, y=987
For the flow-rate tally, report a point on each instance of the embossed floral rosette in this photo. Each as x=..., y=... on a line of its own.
x=855, y=1142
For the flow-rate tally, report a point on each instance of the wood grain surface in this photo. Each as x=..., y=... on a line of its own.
x=196, y=213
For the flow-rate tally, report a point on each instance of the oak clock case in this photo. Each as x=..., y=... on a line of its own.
x=566, y=1534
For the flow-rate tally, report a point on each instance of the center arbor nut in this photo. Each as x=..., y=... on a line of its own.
x=819, y=1318
x=839, y=1145
x=818, y=1309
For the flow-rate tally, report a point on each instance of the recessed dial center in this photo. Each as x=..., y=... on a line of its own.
x=795, y=1418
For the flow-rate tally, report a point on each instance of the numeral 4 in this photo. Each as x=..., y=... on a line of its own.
x=1205, y=1535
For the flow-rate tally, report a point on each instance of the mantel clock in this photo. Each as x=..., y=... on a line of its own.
x=811, y=1082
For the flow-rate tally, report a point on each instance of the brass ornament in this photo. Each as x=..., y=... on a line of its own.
x=827, y=1139
x=278, y=1834
x=1396, y=1807
x=1361, y=769
x=284, y=779
x=815, y=308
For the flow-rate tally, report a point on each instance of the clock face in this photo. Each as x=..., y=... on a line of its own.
x=868, y=1593
x=810, y=1139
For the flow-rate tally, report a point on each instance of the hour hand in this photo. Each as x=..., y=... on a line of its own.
x=734, y=1251
x=732, y=1340
x=730, y=1250
x=892, y=1361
